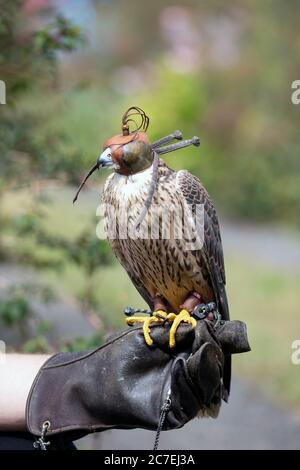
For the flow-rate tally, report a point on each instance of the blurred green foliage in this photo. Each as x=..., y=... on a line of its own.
x=14, y=310
x=28, y=62
x=18, y=314
x=28, y=65
x=79, y=343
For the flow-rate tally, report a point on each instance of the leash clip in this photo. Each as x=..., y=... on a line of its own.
x=40, y=443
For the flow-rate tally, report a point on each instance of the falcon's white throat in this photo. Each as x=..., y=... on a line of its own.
x=130, y=187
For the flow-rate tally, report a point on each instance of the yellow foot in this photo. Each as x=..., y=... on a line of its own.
x=158, y=317
x=183, y=316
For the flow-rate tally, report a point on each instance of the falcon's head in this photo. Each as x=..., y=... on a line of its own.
x=131, y=152
x=127, y=154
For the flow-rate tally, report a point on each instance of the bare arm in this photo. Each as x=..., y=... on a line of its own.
x=17, y=373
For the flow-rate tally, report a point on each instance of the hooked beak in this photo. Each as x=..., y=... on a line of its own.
x=103, y=161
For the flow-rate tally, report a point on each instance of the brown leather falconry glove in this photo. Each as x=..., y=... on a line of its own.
x=127, y=384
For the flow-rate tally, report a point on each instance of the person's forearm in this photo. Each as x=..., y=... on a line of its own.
x=17, y=373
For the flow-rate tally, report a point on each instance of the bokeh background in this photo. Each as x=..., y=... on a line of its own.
x=220, y=70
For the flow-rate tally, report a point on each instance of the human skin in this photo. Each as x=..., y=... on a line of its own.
x=17, y=373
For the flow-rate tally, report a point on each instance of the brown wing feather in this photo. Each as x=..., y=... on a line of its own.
x=135, y=281
x=212, y=251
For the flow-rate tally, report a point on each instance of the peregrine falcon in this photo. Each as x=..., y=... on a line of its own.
x=150, y=213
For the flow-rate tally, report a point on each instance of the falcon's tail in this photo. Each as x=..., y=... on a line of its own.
x=224, y=310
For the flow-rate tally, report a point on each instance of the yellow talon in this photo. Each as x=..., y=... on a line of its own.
x=132, y=320
x=158, y=317
x=171, y=317
x=183, y=316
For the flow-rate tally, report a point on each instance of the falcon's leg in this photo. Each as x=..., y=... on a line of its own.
x=159, y=304
x=160, y=315
x=192, y=300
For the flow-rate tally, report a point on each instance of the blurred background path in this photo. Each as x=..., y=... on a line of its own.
x=273, y=247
